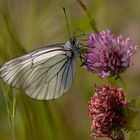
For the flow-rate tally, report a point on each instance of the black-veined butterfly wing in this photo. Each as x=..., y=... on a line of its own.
x=44, y=74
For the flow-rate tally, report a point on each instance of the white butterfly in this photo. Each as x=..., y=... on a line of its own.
x=44, y=73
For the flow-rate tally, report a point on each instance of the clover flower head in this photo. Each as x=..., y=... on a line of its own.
x=108, y=54
x=106, y=110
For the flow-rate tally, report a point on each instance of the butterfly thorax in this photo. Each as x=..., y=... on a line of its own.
x=72, y=45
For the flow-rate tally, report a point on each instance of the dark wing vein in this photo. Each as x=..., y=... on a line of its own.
x=42, y=76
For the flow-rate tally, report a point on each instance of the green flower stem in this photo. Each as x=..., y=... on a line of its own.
x=112, y=82
x=123, y=83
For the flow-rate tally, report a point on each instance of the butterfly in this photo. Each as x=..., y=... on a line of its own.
x=45, y=73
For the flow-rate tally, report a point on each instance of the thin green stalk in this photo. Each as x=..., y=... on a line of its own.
x=92, y=20
x=112, y=81
x=10, y=99
x=123, y=83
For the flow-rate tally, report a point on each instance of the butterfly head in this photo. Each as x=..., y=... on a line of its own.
x=74, y=41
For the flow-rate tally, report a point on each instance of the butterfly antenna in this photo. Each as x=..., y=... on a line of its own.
x=79, y=35
x=92, y=21
x=66, y=21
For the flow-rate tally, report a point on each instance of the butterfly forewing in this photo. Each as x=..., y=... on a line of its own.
x=44, y=74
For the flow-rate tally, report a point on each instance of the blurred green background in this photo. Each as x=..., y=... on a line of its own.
x=29, y=24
